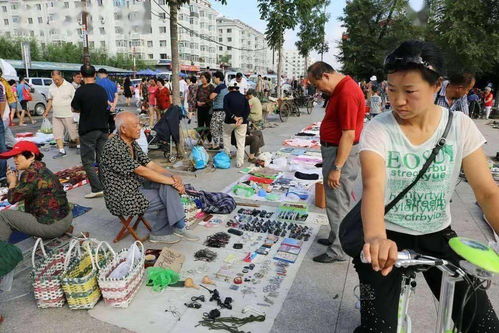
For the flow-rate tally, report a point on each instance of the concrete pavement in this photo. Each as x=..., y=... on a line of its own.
x=322, y=297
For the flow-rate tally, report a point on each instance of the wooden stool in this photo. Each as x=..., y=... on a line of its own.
x=128, y=229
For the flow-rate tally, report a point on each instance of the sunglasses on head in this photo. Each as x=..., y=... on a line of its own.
x=393, y=63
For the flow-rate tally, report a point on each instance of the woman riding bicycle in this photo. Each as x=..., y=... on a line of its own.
x=394, y=147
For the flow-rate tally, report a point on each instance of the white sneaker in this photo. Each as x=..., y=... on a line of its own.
x=167, y=239
x=92, y=195
x=186, y=234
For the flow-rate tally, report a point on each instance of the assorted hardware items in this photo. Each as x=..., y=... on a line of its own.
x=277, y=228
x=205, y=255
x=218, y=240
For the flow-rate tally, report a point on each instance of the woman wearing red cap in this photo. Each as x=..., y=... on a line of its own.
x=47, y=213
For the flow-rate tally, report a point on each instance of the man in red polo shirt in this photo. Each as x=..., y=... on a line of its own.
x=339, y=133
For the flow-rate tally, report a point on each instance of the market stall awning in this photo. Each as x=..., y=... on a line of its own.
x=62, y=66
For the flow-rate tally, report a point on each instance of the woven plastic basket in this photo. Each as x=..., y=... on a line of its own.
x=47, y=277
x=79, y=280
x=120, y=292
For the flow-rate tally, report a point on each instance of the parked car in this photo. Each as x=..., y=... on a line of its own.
x=38, y=104
x=40, y=84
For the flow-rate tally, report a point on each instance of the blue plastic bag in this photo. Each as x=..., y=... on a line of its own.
x=221, y=160
x=199, y=157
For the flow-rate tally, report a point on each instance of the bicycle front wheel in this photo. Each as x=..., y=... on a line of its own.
x=310, y=106
x=284, y=112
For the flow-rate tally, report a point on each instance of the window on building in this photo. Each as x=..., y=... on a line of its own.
x=229, y=39
x=162, y=43
x=118, y=30
x=150, y=56
x=66, y=4
x=191, y=20
x=220, y=31
x=220, y=48
x=201, y=13
x=15, y=19
x=162, y=30
x=102, y=30
x=163, y=16
x=229, y=31
x=220, y=39
x=99, y=2
x=103, y=44
x=149, y=43
x=229, y=48
x=162, y=2
x=40, y=20
x=5, y=21
x=32, y=33
x=42, y=33
x=4, y=9
x=163, y=56
x=13, y=7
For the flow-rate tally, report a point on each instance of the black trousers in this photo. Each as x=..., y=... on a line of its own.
x=204, y=120
x=91, y=148
x=379, y=295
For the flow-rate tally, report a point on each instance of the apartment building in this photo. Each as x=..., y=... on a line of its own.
x=245, y=47
x=141, y=28
x=294, y=64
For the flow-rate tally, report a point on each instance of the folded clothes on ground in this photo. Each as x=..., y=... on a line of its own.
x=306, y=176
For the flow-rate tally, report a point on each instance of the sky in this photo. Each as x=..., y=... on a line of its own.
x=247, y=11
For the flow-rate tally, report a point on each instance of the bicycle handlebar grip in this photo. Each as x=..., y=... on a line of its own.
x=401, y=255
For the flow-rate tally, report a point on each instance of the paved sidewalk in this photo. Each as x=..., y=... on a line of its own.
x=322, y=297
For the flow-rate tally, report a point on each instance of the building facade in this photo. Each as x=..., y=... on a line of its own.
x=140, y=28
x=294, y=64
x=244, y=47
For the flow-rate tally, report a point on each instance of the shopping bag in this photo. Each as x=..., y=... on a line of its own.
x=46, y=126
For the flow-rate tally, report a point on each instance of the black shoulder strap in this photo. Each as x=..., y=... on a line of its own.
x=431, y=158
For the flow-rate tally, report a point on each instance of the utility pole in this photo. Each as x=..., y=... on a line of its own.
x=84, y=29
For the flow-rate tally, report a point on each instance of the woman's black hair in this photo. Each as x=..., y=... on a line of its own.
x=219, y=75
x=207, y=76
x=12, y=82
x=193, y=79
x=432, y=66
x=28, y=155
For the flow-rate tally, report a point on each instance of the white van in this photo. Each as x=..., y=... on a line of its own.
x=40, y=84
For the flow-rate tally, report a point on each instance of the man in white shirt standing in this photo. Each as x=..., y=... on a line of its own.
x=242, y=83
x=61, y=93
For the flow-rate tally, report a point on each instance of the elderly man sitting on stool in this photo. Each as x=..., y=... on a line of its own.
x=134, y=185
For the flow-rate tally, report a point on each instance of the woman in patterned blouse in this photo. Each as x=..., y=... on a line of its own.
x=46, y=209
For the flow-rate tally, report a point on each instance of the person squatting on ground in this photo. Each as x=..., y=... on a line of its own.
x=61, y=94
x=452, y=94
x=47, y=213
x=256, y=109
x=203, y=104
x=340, y=133
x=134, y=185
x=254, y=139
x=394, y=146
x=236, y=119
x=91, y=102
x=218, y=115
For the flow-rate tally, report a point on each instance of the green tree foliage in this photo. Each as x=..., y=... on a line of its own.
x=65, y=52
x=373, y=28
x=312, y=27
x=280, y=15
x=466, y=31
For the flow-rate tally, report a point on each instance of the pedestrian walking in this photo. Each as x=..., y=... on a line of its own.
x=14, y=105
x=340, y=133
x=112, y=95
x=237, y=110
x=375, y=102
x=488, y=101
x=218, y=115
x=452, y=94
x=10, y=140
x=152, y=89
x=91, y=101
x=61, y=94
x=144, y=96
x=24, y=96
x=203, y=104
x=127, y=90
x=192, y=91
x=259, y=86
x=163, y=98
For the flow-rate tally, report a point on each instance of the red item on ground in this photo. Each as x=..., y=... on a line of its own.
x=345, y=110
x=260, y=180
x=25, y=135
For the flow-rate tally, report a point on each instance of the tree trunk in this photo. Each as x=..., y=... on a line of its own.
x=306, y=67
x=279, y=72
x=174, y=7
